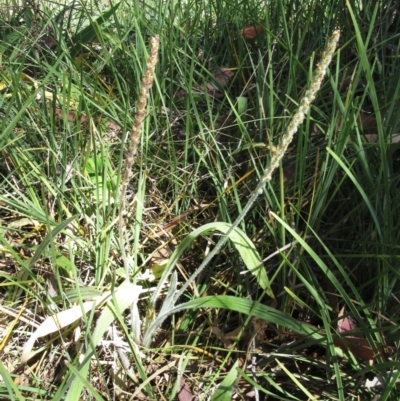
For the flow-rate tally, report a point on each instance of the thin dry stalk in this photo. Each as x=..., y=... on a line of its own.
x=134, y=138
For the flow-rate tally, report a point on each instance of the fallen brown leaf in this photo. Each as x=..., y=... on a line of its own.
x=345, y=323
x=178, y=219
x=366, y=121
x=222, y=76
x=184, y=393
x=358, y=346
x=71, y=117
x=252, y=31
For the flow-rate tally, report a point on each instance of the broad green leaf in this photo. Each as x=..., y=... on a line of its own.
x=241, y=242
x=245, y=306
x=243, y=245
x=65, y=263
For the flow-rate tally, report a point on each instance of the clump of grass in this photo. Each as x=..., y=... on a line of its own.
x=321, y=235
x=278, y=152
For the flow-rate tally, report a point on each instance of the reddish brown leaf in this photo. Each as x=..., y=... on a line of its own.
x=288, y=173
x=359, y=347
x=48, y=40
x=113, y=126
x=184, y=393
x=345, y=323
x=71, y=115
x=213, y=92
x=84, y=119
x=180, y=94
x=252, y=31
x=367, y=122
x=222, y=76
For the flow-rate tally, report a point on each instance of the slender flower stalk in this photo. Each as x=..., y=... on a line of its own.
x=304, y=106
x=278, y=154
x=134, y=138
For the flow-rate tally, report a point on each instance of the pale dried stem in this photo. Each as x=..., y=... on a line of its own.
x=134, y=138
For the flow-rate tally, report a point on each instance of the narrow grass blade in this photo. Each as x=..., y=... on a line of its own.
x=85, y=383
x=225, y=389
x=360, y=190
x=13, y=391
x=296, y=381
x=49, y=238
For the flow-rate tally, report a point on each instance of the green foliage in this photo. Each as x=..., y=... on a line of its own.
x=321, y=236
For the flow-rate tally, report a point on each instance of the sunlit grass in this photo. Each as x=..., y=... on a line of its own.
x=323, y=232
